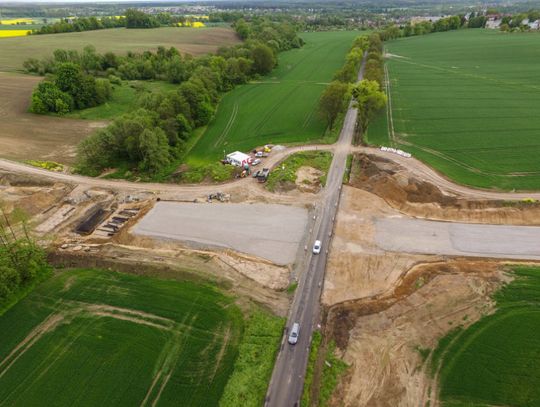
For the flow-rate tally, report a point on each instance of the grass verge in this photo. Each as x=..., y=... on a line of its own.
x=256, y=355
x=333, y=368
x=348, y=168
x=310, y=371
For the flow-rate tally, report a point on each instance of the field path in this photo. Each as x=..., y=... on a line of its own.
x=421, y=170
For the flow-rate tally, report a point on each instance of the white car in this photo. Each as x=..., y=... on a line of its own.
x=295, y=331
x=317, y=247
x=256, y=161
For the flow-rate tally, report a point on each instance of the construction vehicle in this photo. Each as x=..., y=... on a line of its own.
x=220, y=196
x=262, y=175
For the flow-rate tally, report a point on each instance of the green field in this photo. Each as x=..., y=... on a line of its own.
x=466, y=102
x=97, y=338
x=124, y=100
x=280, y=108
x=496, y=361
x=196, y=41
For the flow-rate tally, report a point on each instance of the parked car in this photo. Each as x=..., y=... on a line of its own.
x=295, y=331
x=259, y=154
x=317, y=247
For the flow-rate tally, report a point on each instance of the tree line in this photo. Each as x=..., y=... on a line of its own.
x=132, y=18
x=515, y=23
x=367, y=94
x=80, y=24
x=22, y=262
x=334, y=99
x=153, y=137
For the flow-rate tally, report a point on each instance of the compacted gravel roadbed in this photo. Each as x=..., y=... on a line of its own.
x=269, y=231
x=458, y=239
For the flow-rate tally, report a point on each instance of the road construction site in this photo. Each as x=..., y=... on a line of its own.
x=409, y=259
x=273, y=232
x=408, y=278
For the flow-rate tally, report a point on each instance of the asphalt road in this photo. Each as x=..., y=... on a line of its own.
x=287, y=382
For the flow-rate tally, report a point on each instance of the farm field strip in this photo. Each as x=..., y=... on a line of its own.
x=131, y=340
x=279, y=108
x=496, y=360
x=465, y=102
x=13, y=33
x=195, y=41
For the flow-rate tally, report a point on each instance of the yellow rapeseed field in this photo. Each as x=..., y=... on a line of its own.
x=15, y=21
x=194, y=24
x=13, y=33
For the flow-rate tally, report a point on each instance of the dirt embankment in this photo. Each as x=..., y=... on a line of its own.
x=417, y=198
x=167, y=262
x=357, y=267
x=383, y=339
x=23, y=198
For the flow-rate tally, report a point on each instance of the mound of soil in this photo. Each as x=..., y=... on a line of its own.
x=308, y=179
x=419, y=198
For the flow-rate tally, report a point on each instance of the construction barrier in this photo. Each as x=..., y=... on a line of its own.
x=396, y=151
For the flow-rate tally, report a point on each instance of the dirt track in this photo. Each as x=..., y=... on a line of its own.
x=25, y=136
x=417, y=168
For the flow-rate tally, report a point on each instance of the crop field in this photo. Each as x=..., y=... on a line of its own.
x=466, y=102
x=496, y=361
x=26, y=136
x=281, y=107
x=13, y=33
x=90, y=337
x=195, y=41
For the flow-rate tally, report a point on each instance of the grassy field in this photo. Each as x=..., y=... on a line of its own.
x=285, y=174
x=124, y=100
x=195, y=41
x=466, y=102
x=257, y=353
x=496, y=361
x=97, y=338
x=280, y=108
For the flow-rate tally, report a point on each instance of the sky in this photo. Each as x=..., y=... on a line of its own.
x=100, y=1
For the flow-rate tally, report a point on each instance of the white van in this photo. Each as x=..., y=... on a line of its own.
x=295, y=331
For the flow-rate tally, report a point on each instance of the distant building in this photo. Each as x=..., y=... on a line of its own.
x=535, y=25
x=493, y=24
x=421, y=19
